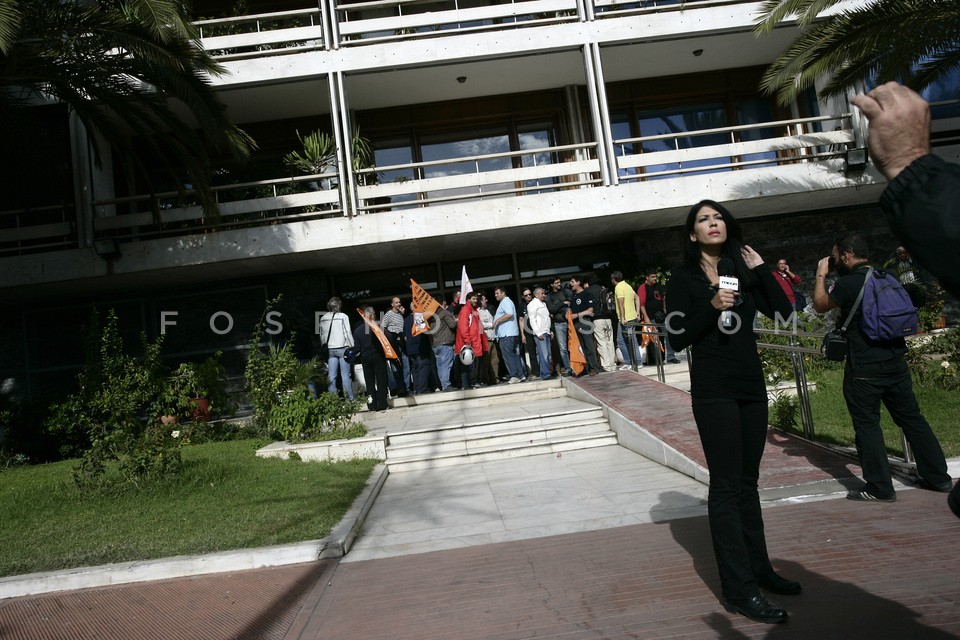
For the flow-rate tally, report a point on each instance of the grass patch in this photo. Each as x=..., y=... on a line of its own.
x=225, y=498
x=832, y=424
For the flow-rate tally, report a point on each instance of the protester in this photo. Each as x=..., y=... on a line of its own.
x=539, y=321
x=729, y=397
x=470, y=333
x=374, y=363
x=334, y=330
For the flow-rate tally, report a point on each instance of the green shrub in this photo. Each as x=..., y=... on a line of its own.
x=302, y=418
x=272, y=372
x=784, y=411
x=113, y=412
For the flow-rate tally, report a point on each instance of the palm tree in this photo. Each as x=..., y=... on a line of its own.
x=913, y=41
x=127, y=69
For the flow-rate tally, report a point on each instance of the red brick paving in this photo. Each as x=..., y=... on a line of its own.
x=665, y=412
x=869, y=571
x=256, y=604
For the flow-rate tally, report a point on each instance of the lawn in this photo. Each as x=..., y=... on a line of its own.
x=831, y=422
x=225, y=498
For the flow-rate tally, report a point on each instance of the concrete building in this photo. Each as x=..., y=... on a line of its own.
x=521, y=139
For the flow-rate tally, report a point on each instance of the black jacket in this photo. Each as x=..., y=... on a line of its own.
x=555, y=304
x=922, y=205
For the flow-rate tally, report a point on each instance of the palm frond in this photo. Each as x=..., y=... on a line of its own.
x=9, y=24
x=886, y=40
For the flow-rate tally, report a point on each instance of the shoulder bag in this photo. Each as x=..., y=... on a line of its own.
x=835, y=344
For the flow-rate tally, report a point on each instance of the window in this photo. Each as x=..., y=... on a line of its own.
x=673, y=121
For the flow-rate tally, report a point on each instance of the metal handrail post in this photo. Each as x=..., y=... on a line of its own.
x=635, y=354
x=907, y=451
x=661, y=375
x=803, y=391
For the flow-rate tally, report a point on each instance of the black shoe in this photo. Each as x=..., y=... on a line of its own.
x=942, y=488
x=778, y=584
x=673, y=361
x=758, y=609
x=863, y=496
x=953, y=500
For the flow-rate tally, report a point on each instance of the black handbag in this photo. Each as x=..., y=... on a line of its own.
x=835, y=343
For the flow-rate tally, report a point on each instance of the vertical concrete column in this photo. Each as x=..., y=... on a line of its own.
x=331, y=28
x=340, y=122
x=85, y=176
x=600, y=113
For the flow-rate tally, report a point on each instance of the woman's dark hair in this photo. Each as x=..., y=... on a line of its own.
x=731, y=248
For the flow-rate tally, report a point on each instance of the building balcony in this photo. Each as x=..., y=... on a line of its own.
x=532, y=197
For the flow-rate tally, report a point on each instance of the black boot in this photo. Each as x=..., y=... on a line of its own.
x=954, y=500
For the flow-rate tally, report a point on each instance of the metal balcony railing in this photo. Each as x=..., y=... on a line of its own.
x=248, y=204
x=262, y=34
x=443, y=181
x=374, y=21
x=385, y=20
x=745, y=146
x=37, y=230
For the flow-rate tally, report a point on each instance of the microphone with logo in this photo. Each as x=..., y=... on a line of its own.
x=728, y=280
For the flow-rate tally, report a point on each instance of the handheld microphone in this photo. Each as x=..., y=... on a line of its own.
x=728, y=280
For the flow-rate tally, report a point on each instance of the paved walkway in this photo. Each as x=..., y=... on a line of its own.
x=513, y=550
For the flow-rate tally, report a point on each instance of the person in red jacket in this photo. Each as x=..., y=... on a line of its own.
x=470, y=332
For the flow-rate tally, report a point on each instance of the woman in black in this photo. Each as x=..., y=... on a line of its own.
x=729, y=396
x=374, y=363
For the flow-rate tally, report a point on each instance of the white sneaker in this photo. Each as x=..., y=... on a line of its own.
x=626, y=367
x=514, y=380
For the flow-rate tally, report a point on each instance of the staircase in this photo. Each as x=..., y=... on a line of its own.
x=504, y=421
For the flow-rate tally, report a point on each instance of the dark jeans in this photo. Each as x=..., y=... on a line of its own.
x=589, y=346
x=733, y=434
x=375, y=379
x=864, y=388
x=471, y=375
x=420, y=367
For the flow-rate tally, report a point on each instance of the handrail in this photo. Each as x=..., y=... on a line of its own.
x=256, y=16
x=483, y=156
x=739, y=127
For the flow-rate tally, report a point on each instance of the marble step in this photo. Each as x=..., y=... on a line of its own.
x=499, y=394
x=475, y=428
x=505, y=437
x=500, y=452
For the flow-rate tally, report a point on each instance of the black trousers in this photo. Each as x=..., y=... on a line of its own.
x=865, y=386
x=530, y=347
x=420, y=367
x=375, y=379
x=733, y=434
x=585, y=334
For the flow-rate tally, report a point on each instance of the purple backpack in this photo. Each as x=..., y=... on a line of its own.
x=887, y=309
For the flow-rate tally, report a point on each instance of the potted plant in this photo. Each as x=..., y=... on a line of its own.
x=209, y=387
x=174, y=400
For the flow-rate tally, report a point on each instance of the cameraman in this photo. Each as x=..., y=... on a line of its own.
x=875, y=372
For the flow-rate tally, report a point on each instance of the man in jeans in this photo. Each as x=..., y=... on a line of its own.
x=558, y=303
x=507, y=330
x=539, y=321
x=443, y=326
x=876, y=372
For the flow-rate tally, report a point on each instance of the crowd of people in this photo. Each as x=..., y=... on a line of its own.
x=508, y=342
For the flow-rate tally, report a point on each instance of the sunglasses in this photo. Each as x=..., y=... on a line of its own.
x=527, y=294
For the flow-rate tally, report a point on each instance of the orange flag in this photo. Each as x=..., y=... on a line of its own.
x=377, y=331
x=578, y=362
x=424, y=306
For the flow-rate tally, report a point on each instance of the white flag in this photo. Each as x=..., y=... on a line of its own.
x=465, y=286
